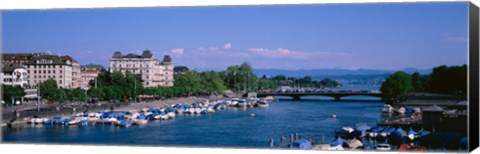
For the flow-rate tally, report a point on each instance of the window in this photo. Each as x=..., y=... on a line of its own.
x=44, y=77
x=54, y=76
x=48, y=66
x=53, y=71
x=53, y=66
x=34, y=71
x=48, y=71
x=34, y=66
x=44, y=72
x=60, y=76
x=60, y=67
x=60, y=71
x=44, y=66
x=49, y=77
x=35, y=76
x=60, y=81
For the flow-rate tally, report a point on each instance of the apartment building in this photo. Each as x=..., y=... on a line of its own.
x=153, y=72
x=63, y=69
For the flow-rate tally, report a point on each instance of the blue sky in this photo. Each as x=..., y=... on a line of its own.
x=351, y=36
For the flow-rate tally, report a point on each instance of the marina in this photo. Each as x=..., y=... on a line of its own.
x=231, y=127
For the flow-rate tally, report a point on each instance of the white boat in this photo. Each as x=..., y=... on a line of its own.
x=383, y=147
x=163, y=116
x=348, y=129
x=387, y=108
x=210, y=110
x=234, y=102
x=139, y=121
x=262, y=103
x=401, y=110
x=74, y=122
x=180, y=111
x=373, y=134
x=198, y=110
x=242, y=103
x=190, y=111
x=171, y=115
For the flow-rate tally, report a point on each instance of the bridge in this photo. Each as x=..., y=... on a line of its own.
x=334, y=94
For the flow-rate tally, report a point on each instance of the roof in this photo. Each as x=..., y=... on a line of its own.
x=167, y=58
x=433, y=108
x=10, y=68
x=145, y=54
x=59, y=60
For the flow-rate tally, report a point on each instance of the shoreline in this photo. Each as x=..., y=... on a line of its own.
x=130, y=107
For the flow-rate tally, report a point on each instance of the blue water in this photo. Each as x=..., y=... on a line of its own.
x=233, y=127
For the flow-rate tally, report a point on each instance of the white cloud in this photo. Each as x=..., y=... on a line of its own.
x=227, y=45
x=178, y=51
x=285, y=53
x=455, y=38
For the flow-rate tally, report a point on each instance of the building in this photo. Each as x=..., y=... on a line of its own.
x=17, y=58
x=14, y=75
x=153, y=72
x=63, y=69
x=89, y=73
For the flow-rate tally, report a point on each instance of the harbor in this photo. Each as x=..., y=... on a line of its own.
x=231, y=127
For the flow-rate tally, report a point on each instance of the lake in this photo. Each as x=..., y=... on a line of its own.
x=233, y=127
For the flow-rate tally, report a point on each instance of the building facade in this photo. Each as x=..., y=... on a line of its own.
x=88, y=74
x=153, y=72
x=14, y=75
x=63, y=69
x=17, y=58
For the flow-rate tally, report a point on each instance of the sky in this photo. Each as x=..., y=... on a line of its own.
x=388, y=36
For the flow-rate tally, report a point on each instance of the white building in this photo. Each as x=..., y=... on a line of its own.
x=63, y=69
x=153, y=72
x=14, y=75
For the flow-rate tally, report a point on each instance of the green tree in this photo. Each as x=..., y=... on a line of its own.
x=12, y=92
x=48, y=89
x=417, y=84
x=396, y=87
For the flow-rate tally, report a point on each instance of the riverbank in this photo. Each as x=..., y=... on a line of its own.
x=103, y=106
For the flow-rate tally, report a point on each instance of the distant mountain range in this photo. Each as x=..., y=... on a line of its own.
x=369, y=76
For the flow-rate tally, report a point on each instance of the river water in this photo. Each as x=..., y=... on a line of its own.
x=233, y=127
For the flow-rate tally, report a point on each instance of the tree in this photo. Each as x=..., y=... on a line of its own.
x=396, y=87
x=417, y=84
x=48, y=89
x=449, y=80
x=12, y=92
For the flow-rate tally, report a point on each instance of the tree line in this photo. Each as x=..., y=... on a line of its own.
x=443, y=80
x=120, y=86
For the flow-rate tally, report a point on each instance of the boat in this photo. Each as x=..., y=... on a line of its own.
x=301, y=144
x=401, y=110
x=171, y=115
x=387, y=108
x=411, y=135
x=180, y=110
x=262, y=103
x=354, y=143
x=210, y=110
x=124, y=123
x=74, y=122
x=338, y=142
x=204, y=111
x=190, y=111
x=234, y=102
x=198, y=110
x=139, y=121
x=383, y=147
x=242, y=103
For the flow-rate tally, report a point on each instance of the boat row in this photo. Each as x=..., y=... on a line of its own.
x=128, y=118
x=387, y=108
